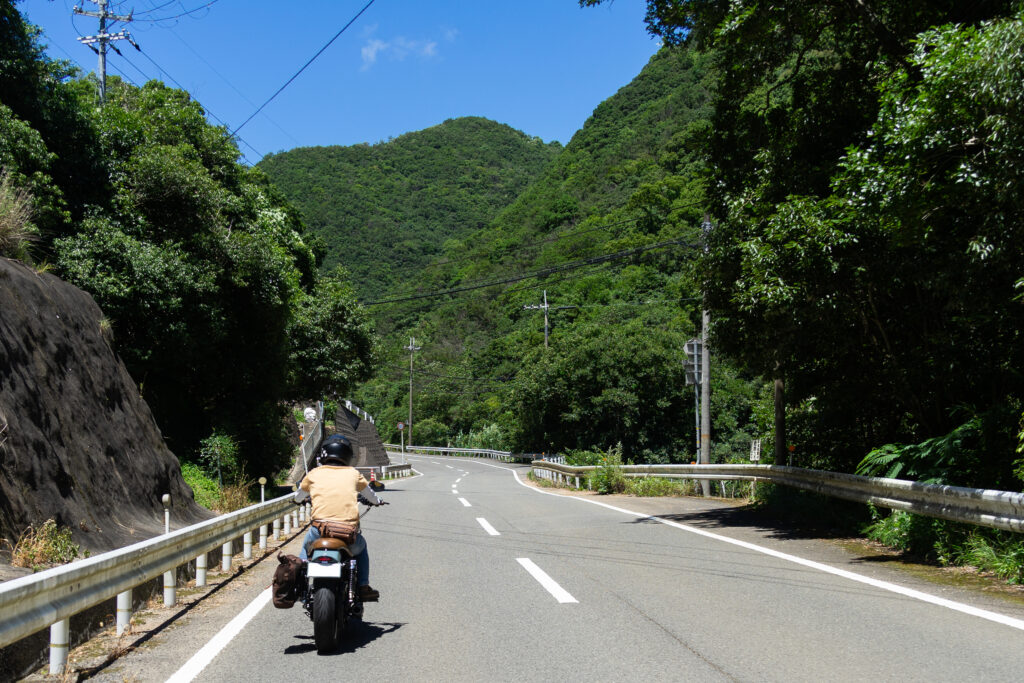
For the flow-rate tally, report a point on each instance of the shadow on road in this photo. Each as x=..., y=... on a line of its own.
x=752, y=518
x=359, y=635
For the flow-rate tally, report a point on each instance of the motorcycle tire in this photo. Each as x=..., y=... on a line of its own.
x=325, y=620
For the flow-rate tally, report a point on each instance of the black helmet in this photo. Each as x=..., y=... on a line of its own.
x=337, y=450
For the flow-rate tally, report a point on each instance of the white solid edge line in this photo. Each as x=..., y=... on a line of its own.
x=207, y=652
x=465, y=502
x=487, y=526
x=1003, y=619
x=550, y=585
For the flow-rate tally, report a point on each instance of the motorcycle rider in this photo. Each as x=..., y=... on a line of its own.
x=335, y=487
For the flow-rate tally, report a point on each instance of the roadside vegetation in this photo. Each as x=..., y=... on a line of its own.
x=47, y=545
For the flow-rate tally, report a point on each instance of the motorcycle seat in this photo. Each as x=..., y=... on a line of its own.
x=329, y=544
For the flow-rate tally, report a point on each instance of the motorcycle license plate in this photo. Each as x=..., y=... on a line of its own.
x=323, y=571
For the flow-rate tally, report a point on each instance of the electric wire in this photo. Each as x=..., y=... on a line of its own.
x=304, y=66
x=573, y=265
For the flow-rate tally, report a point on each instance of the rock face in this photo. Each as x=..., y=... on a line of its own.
x=77, y=442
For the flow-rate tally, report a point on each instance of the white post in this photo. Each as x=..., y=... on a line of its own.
x=201, y=571
x=170, y=588
x=124, y=610
x=225, y=557
x=59, y=637
x=170, y=576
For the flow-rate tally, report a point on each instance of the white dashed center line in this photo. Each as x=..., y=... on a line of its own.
x=560, y=594
x=487, y=526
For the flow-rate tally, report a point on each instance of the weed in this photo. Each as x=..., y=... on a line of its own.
x=654, y=486
x=1001, y=553
x=609, y=477
x=16, y=229
x=44, y=547
x=235, y=496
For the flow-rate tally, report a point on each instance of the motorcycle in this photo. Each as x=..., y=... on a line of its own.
x=331, y=598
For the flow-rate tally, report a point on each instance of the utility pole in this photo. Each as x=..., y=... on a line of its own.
x=412, y=349
x=102, y=38
x=705, y=400
x=544, y=307
x=705, y=379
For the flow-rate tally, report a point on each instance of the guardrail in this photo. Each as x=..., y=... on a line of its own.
x=504, y=456
x=983, y=507
x=49, y=598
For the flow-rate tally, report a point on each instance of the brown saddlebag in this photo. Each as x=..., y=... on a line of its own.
x=288, y=579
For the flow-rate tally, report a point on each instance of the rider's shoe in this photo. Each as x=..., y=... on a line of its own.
x=367, y=594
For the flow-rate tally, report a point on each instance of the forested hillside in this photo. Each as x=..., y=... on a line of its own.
x=210, y=286
x=384, y=211
x=861, y=172
x=622, y=292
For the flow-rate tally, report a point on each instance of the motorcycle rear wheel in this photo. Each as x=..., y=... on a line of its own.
x=325, y=620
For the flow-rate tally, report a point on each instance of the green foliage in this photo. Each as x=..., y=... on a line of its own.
x=651, y=487
x=942, y=460
x=193, y=258
x=489, y=436
x=904, y=531
x=16, y=229
x=45, y=546
x=218, y=454
x=430, y=432
x=609, y=477
x=583, y=457
x=611, y=371
x=385, y=210
x=204, y=488
x=1001, y=553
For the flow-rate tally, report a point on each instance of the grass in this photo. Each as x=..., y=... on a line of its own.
x=16, y=229
x=224, y=499
x=45, y=546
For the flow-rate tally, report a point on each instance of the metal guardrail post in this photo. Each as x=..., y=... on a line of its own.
x=201, y=570
x=60, y=641
x=124, y=611
x=171, y=575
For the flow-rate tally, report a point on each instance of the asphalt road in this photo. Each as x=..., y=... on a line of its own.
x=485, y=579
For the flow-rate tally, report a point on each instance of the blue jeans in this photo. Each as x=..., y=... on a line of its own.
x=358, y=550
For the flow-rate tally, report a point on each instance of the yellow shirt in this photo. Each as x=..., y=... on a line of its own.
x=332, y=490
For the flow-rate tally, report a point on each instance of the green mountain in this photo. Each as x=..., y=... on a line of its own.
x=608, y=233
x=386, y=210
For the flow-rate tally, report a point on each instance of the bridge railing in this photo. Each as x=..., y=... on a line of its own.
x=983, y=507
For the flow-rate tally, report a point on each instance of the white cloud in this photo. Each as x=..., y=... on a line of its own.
x=370, y=51
x=397, y=49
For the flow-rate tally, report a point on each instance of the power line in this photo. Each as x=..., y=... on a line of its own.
x=186, y=13
x=512, y=250
x=296, y=74
x=205, y=108
x=594, y=260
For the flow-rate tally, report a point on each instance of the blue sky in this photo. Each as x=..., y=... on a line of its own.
x=540, y=66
